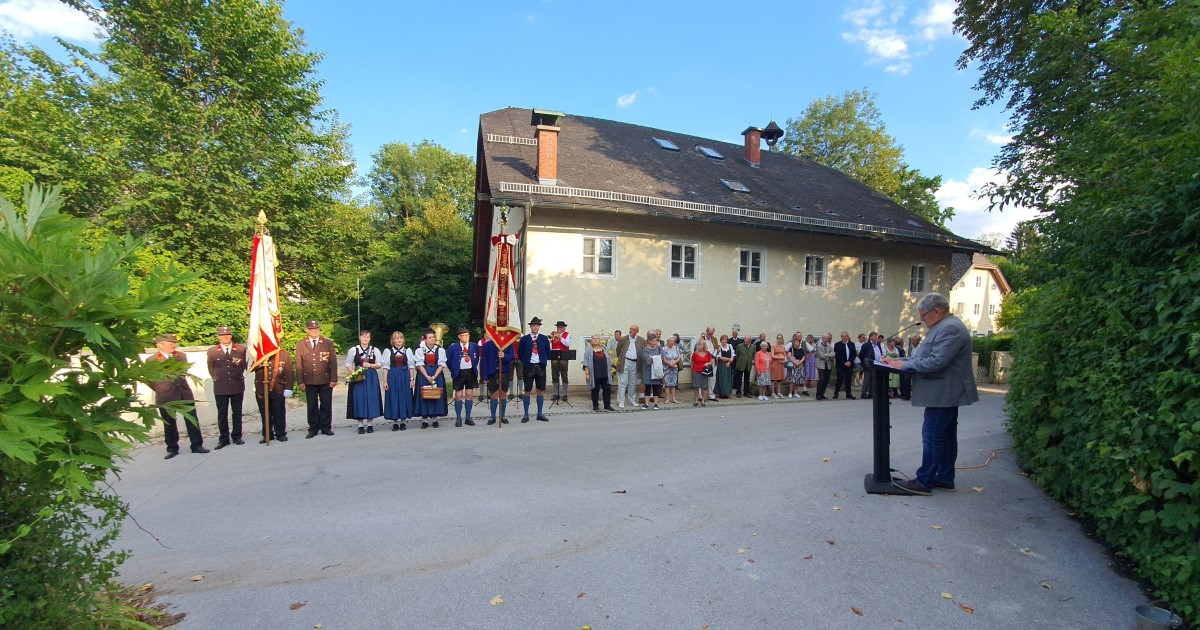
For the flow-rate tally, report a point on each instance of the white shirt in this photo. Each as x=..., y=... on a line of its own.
x=465, y=362
x=534, y=357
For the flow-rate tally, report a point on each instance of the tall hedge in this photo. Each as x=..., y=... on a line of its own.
x=1105, y=401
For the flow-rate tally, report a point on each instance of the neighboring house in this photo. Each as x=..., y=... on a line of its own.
x=620, y=224
x=979, y=287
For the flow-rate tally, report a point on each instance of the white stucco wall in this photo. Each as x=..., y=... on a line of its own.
x=967, y=295
x=640, y=290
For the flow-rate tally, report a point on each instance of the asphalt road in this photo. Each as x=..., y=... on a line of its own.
x=731, y=517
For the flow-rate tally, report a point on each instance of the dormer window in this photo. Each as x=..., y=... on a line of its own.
x=735, y=185
x=709, y=152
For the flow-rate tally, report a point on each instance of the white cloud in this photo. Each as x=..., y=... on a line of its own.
x=936, y=21
x=464, y=130
x=865, y=14
x=880, y=44
x=27, y=19
x=971, y=214
x=996, y=138
x=627, y=99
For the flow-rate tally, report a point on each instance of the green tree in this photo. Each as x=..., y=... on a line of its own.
x=848, y=134
x=404, y=177
x=426, y=278
x=70, y=318
x=1103, y=99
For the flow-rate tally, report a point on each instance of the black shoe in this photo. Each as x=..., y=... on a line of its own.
x=238, y=441
x=609, y=409
x=263, y=441
x=371, y=429
x=850, y=398
x=867, y=397
x=543, y=418
x=596, y=408
x=402, y=427
x=835, y=397
x=469, y=422
x=913, y=486
x=282, y=438
x=395, y=427
x=803, y=393
x=525, y=419
x=327, y=432
x=170, y=454
x=435, y=424
x=424, y=425
x=564, y=398
x=458, y=423
x=311, y=434
x=492, y=421
x=941, y=485
x=200, y=450
x=362, y=430
x=222, y=444
x=503, y=420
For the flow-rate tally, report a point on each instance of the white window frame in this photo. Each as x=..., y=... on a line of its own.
x=878, y=275
x=991, y=310
x=671, y=261
x=824, y=258
x=976, y=308
x=978, y=283
x=959, y=308
x=762, y=267
x=587, y=273
x=924, y=286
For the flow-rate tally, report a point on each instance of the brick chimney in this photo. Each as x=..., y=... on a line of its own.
x=753, y=151
x=546, y=122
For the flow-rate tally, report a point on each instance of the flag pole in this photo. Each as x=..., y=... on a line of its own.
x=266, y=384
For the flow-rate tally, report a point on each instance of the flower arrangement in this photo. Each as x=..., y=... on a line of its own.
x=356, y=375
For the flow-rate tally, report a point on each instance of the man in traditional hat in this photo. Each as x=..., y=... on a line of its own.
x=317, y=371
x=463, y=360
x=534, y=352
x=560, y=342
x=227, y=367
x=176, y=390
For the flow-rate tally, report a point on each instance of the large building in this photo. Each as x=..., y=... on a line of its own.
x=620, y=224
x=977, y=291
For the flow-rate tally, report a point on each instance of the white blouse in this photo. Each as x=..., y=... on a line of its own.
x=355, y=349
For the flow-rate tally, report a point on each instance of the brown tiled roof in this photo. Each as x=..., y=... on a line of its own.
x=597, y=157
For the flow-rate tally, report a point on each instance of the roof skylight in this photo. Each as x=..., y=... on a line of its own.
x=709, y=152
x=666, y=144
x=735, y=185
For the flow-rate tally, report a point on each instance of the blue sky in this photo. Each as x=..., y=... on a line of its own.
x=406, y=72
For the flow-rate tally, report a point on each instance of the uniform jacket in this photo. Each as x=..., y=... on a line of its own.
x=228, y=372
x=454, y=357
x=319, y=366
x=525, y=348
x=489, y=360
x=943, y=374
x=176, y=389
x=623, y=349
x=285, y=378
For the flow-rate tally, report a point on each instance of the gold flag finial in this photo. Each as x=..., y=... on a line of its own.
x=262, y=222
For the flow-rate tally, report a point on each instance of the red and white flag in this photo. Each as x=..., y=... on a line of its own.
x=265, y=324
x=502, y=321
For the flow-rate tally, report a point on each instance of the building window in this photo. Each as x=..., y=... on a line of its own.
x=814, y=271
x=993, y=286
x=870, y=275
x=683, y=262
x=976, y=309
x=961, y=284
x=958, y=308
x=598, y=255
x=978, y=283
x=916, y=280
x=992, y=310
x=750, y=266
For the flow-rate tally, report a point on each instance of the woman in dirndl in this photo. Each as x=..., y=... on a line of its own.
x=430, y=360
x=398, y=382
x=364, y=403
x=795, y=359
x=723, y=386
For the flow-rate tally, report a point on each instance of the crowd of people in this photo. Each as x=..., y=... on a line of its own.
x=403, y=384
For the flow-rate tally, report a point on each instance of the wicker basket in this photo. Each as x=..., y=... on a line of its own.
x=431, y=392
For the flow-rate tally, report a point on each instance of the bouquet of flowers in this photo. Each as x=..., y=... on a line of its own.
x=356, y=375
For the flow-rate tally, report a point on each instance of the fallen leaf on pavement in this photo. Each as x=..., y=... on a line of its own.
x=750, y=560
x=297, y=605
x=497, y=600
x=836, y=495
x=618, y=492
x=975, y=488
x=929, y=549
x=937, y=526
x=317, y=626
x=1026, y=550
x=857, y=611
x=740, y=549
x=947, y=596
x=197, y=578
x=1023, y=473
x=149, y=587
x=825, y=460
x=753, y=534
x=835, y=508
x=967, y=609
x=1046, y=585
x=580, y=595
x=808, y=557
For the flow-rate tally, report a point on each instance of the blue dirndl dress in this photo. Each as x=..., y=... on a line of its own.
x=364, y=401
x=398, y=399
x=429, y=408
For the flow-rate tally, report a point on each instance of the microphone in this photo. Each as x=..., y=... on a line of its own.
x=902, y=330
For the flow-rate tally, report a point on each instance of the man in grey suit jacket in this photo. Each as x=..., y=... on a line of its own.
x=943, y=381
